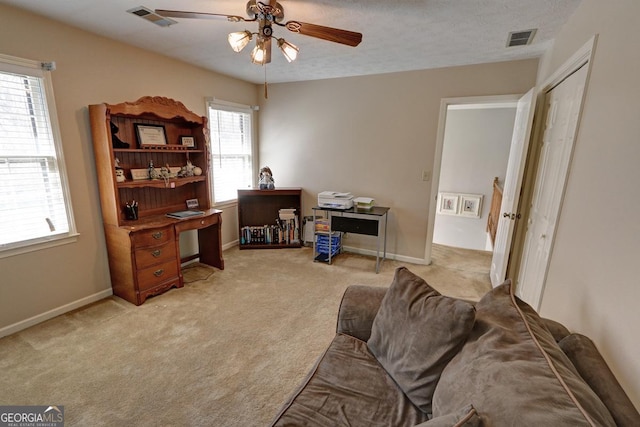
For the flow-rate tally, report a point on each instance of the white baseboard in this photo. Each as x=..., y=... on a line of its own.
x=24, y=324
x=368, y=252
x=230, y=245
x=396, y=257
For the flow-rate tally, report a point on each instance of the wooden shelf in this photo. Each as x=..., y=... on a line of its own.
x=170, y=148
x=270, y=246
x=257, y=208
x=160, y=183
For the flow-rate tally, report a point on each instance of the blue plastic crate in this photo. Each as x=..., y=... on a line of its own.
x=324, y=240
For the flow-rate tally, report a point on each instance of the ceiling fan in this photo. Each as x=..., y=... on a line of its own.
x=267, y=14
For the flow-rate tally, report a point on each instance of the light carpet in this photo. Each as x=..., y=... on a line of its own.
x=225, y=350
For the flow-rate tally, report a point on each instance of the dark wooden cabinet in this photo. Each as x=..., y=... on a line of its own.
x=144, y=253
x=259, y=218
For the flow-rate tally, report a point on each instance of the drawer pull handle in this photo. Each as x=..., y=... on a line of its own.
x=156, y=253
x=158, y=273
x=157, y=235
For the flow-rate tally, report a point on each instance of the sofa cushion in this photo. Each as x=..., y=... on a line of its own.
x=415, y=334
x=348, y=387
x=594, y=370
x=514, y=373
x=466, y=417
x=358, y=308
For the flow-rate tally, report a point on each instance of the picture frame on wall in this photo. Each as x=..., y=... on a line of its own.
x=471, y=205
x=149, y=135
x=448, y=203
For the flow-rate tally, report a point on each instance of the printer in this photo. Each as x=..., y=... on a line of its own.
x=335, y=200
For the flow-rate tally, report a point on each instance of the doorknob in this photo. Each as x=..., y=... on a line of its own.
x=510, y=215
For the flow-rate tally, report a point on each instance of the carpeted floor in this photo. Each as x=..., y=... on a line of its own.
x=225, y=350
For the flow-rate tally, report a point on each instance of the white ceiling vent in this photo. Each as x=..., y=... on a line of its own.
x=521, y=38
x=151, y=16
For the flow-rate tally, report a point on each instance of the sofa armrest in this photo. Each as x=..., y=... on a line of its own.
x=358, y=308
x=594, y=370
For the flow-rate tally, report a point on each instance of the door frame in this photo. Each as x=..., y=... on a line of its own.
x=445, y=103
x=582, y=57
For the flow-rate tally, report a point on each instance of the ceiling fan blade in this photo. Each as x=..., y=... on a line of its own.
x=350, y=38
x=199, y=15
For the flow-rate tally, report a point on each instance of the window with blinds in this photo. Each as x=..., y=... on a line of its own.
x=34, y=202
x=231, y=150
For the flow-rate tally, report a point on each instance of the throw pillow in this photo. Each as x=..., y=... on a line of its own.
x=514, y=373
x=466, y=417
x=416, y=333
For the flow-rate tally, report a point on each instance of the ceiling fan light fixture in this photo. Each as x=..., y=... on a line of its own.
x=259, y=53
x=289, y=50
x=239, y=40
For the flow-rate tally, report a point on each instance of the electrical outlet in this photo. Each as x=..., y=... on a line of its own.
x=426, y=175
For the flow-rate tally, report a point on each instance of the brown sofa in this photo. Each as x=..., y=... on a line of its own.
x=408, y=356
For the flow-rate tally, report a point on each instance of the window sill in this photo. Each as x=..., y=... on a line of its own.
x=226, y=204
x=57, y=241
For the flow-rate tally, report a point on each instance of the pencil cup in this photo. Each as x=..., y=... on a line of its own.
x=131, y=212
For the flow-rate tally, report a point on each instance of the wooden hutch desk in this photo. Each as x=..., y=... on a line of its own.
x=144, y=254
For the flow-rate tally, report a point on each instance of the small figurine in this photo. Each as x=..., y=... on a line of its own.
x=153, y=172
x=266, y=179
x=115, y=141
x=165, y=172
x=119, y=172
x=188, y=170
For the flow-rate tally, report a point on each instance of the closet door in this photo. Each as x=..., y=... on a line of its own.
x=563, y=104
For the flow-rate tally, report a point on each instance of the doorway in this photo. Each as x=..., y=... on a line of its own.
x=474, y=136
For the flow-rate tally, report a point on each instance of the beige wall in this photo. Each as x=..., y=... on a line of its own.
x=373, y=136
x=593, y=284
x=90, y=70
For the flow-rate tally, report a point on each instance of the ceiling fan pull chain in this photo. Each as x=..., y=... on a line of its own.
x=266, y=93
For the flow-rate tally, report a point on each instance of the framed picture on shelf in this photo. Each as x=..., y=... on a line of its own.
x=471, y=205
x=187, y=141
x=150, y=134
x=448, y=203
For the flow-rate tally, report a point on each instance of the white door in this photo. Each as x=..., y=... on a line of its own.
x=512, y=184
x=562, y=112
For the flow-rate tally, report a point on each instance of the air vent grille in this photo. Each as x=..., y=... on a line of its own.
x=151, y=16
x=521, y=38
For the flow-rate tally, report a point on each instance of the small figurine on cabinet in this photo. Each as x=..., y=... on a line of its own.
x=153, y=172
x=115, y=141
x=188, y=170
x=266, y=179
x=119, y=172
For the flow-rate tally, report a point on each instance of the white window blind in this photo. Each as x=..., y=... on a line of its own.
x=34, y=203
x=231, y=150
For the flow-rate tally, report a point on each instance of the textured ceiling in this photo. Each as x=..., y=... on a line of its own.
x=399, y=35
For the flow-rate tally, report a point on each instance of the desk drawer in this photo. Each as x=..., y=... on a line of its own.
x=152, y=237
x=152, y=276
x=354, y=225
x=197, y=223
x=151, y=255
